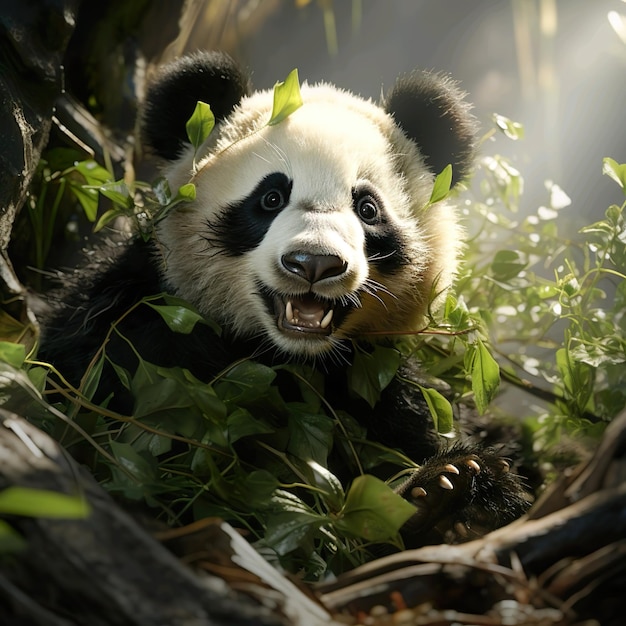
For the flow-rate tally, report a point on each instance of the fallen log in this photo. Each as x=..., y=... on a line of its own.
x=103, y=570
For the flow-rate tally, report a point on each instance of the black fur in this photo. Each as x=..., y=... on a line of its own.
x=100, y=294
x=432, y=112
x=384, y=244
x=242, y=226
x=211, y=77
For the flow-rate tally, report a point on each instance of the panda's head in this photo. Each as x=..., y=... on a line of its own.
x=317, y=229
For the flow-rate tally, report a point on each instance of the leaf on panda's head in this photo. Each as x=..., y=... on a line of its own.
x=200, y=124
x=441, y=188
x=287, y=98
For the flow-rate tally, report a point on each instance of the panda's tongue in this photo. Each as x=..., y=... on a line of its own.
x=307, y=313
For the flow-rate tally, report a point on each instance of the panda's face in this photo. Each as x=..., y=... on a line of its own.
x=310, y=231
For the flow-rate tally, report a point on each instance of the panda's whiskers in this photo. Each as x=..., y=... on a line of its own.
x=339, y=354
x=380, y=257
x=265, y=346
x=349, y=300
x=371, y=287
x=371, y=290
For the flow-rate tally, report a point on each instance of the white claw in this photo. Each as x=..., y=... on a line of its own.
x=418, y=492
x=445, y=483
x=473, y=465
x=461, y=530
x=451, y=468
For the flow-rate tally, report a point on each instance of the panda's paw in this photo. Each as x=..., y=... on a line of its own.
x=462, y=494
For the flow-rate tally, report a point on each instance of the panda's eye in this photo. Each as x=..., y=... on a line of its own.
x=272, y=200
x=366, y=208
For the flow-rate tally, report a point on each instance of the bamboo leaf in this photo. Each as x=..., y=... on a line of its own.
x=441, y=188
x=200, y=124
x=287, y=98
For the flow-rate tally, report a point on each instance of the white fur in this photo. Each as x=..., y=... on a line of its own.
x=334, y=141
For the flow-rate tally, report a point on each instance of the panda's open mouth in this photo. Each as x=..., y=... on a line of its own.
x=305, y=314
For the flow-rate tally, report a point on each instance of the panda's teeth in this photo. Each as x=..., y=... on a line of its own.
x=327, y=318
x=306, y=314
x=289, y=312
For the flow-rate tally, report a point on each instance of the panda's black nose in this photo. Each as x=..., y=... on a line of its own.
x=313, y=267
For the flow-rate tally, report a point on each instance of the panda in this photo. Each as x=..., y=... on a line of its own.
x=306, y=238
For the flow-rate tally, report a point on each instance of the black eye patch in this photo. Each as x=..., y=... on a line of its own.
x=242, y=225
x=384, y=244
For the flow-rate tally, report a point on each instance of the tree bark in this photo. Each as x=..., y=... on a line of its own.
x=104, y=570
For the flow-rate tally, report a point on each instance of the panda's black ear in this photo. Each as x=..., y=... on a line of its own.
x=432, y=112
x=212, y=77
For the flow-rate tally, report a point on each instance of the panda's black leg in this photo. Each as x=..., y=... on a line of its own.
x=461, y=494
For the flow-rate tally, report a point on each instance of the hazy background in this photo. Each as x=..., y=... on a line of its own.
x=556, y=66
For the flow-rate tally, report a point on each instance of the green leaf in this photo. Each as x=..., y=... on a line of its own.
x=91, y=379
x=507, y=264
x=329, y=484
x=200, y=124
x=12, y=353
x=179, y=302
x=186, y=193
x=88, y=199
x=107, y=217
x=161, y=190
x=513, y=130
x=139, y=471
x=485, y=373
x=291, y=523
x=94, y=175
x=92, y=172
x=42, y=503
x=310, y=436
x=371, y=372
x=163, y=394
x=179, y=318
x=241, y=423
x=440, y=409
x=373, y=511
x=254, y=489
x=245, y=383
x=118, y=193
x=122, y=374
x=616, y=171
x=287, y=98
x=441, y=188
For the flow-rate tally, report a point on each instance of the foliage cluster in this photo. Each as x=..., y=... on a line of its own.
x=549, y=308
